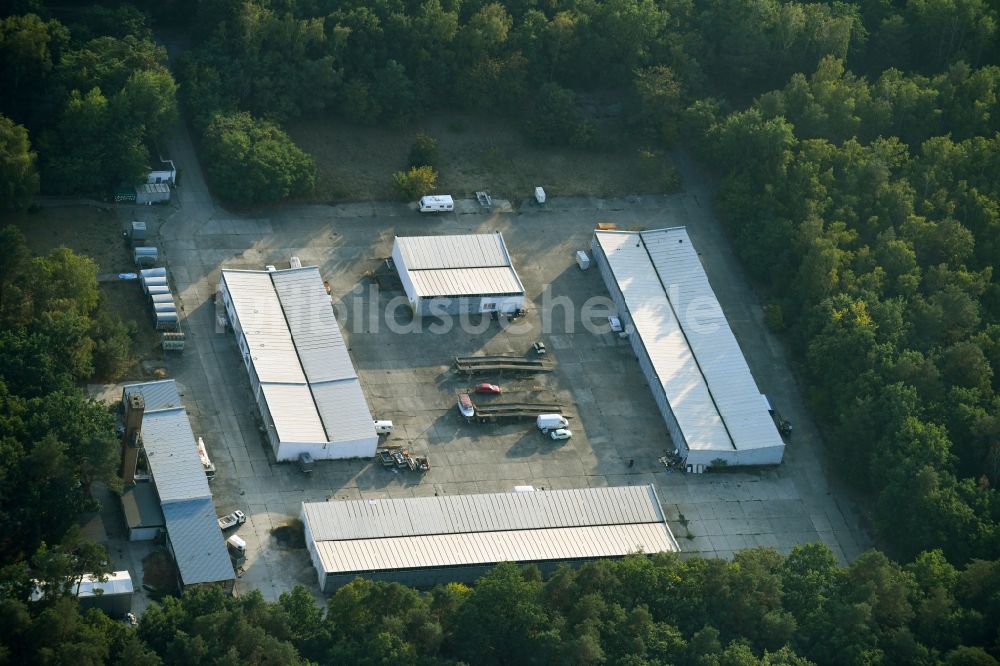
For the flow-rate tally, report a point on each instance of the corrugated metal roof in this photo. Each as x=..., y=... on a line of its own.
x=344, y=410
x=118, y=582
x=269, y=340
x=458, y=251
x=711, y=339
x=172, y=453
x=294, y=413
x=156, y=395
x=141, y=506
x=315, y=332
x=673, y=360
x=568, y=543
x=456, y=514
x=703, y=371
x=306, y=373
x=199, y=549
x=466, y=281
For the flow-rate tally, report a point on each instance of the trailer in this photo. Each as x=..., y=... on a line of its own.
x=498, y=411
x=479, y=364
x=206, y=462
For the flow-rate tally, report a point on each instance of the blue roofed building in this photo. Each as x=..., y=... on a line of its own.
x=156, y=424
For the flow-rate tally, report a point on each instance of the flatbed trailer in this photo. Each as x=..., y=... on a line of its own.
x=497, y=411
x=476, y=364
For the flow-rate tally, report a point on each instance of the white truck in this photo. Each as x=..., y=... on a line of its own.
x=547, y=422
x=206, y=462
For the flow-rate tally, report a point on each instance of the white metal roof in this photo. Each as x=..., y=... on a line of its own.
x=199, y=549
x=269, y=340
x=457, y=251
x=661, y=333
x=299, y=354
x=466, y=281
x=454, y=514
x=568, y=543
x=309, y=313
x=711, y=339
x=118, y=582
x=343, y=410
x=368, y=535
x=294, y=413
x=706, y=377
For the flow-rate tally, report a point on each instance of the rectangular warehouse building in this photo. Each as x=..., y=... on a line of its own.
x=686, y=348
x=456, y=274
x=425, y=541
x=178, y=479
x=301, y=374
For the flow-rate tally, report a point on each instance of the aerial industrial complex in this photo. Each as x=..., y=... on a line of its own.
x=312, y=406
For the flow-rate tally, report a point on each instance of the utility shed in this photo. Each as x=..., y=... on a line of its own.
x=686, y=348
x=149, y=194
x=457, y=274
x=425, y=541
x=301, y=373
x=176, y=473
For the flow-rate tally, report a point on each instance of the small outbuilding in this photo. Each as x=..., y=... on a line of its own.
x=149, y=194
x=449, y=275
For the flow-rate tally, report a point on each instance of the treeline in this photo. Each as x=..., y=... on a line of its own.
x=761, y=609
x=83, y=105
x=55, y=333
x=871, y=210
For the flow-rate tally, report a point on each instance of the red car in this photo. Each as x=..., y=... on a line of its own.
x=491, y=389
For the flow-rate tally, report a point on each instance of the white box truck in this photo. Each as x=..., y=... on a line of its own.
x=438, y=203
x=546, y=422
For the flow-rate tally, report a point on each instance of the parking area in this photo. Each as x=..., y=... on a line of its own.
x=406, y=371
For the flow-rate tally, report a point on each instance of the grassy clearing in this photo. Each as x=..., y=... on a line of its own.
x=356, y=163
x=97, y=234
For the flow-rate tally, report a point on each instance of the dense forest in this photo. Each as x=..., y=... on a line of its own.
x=857, y=153
x=761, y=609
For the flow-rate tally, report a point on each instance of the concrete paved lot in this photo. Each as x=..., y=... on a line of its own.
x=407, y=378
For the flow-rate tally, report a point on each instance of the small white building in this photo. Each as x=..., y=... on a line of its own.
x=448, y=275
x=165, y=173
x=692, y=361
x=301, y=375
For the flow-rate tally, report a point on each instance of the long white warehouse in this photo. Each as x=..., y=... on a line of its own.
x=425, y=541
x=686, y=348
x=300, y=371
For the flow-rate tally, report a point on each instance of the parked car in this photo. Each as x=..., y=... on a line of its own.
x=489, y=389
x=616, y=324
x=232, y=520
x=561, y=433
x=465, y=405
x=306, y=462
x=539, y=348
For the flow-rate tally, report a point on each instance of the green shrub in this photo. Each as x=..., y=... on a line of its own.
x=416, y=182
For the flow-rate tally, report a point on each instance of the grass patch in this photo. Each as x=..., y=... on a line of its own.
x=356, y=163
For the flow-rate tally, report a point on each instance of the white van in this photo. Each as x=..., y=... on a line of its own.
x=236, y=545
x=438, y=203
x=383, y=427
x=546, y=422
